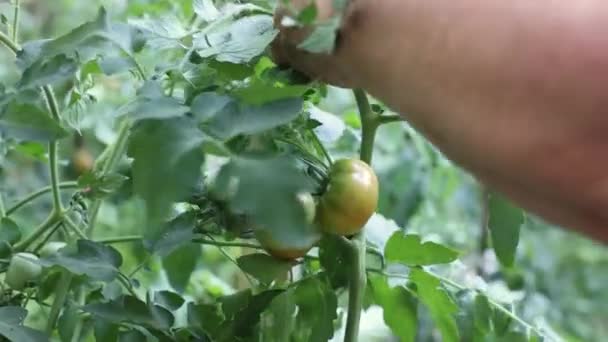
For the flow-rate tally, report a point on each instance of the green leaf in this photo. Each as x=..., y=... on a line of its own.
x=408, y=250
x=400, y=308
x=105, y=331
x=438, y=302
x=169, y=300
x=259, y=92
x=234, y=303
x=167, y=162
x=206, y=318
x=206, y=10
x=242, y=324
x=131, y=310
x=277, y=181
x=132, y=336
x=32, y=149
x=238, y=42
x=67, y=322
x=9, y=231
x=152, y=103
x=505, y=222
x=334, y=258
x=48, y=72
x=180, y=264
x=323, y=37
x=96, y=260
x=483, y=314
x=317, y=308
x=176, y=233
x=263, y=267
x=99, y=184
x=28, y=122
x=225, y=118
x=278, y=322
x=11, y=326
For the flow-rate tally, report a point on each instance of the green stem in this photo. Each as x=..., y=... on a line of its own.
x=50, y=221
x=38, y=193
x=81, y=298
x=15, y=31
x=74, y=228
x=61, y=293
x=49, y=96
x=116, y=151
x=121, y=239
x=210, y=242
x=2, y=209
x=9, y=43
x=358, y=277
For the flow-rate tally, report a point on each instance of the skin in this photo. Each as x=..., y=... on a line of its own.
x=513, y=91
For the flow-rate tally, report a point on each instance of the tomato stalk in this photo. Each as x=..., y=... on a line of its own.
x=29, y=198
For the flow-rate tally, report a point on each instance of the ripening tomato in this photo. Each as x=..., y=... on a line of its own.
x=51, y=248
x=21, y=270
x=82, y=161
x=350, y=199
x=284, y=247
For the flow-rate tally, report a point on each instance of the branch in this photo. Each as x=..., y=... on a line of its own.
x=9, y=43
x=38, y=193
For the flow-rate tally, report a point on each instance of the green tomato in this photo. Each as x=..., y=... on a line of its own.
x=21, y=270
x=51, y=248
x=350, y=199
x=284, y=246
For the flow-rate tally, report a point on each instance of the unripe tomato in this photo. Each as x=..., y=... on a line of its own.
x=82, y=160
x=350, y=199
x=51, y=248
x=283, y=246
x=21, y=270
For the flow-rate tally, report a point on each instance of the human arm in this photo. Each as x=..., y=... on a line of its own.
x=516, y=92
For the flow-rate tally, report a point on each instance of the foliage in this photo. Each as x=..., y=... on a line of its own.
x=200, y=140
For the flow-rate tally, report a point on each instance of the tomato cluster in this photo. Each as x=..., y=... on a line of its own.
x=350, y=199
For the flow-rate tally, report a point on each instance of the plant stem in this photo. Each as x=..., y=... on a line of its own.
x=203, y=241
x=2, y=210
x=116, y=151
x=9, y=43
x=121, y=239
x=53, y=150
x=358, y=277
x=74, y=228
x=38, y=193
x=78, y=327
x=15, y=31
x=61, y=293
x=50, y=221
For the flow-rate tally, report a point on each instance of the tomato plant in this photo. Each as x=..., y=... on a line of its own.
x=190, y=221
x=350, y=199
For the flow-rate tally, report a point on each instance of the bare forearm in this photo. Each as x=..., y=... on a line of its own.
x=533, y=73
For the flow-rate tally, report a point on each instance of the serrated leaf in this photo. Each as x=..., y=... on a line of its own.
x=180, y=264
x=205, y=317
x=242, y=324
x=169, y=300
x=28, y=122
x=238, y=42
x=131, y=310
x=99, y=185
x=505, y=221
x=174, y=234
x=277, y=181
x=11, y=326
x=167, y=162
x=322, y=40
x=90, y=258
x=152, y=103
x=226, y=118
x=161, y=33
x=438, y=302
x=206, y=10
x=260, y=92
x=263, y=267
x=48, y=72
x=317, y=308
x=399, y=307
x=9, y=231
x=410, y=251
x=278, y=322
x=334, y=258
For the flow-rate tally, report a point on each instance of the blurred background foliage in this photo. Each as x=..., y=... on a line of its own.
x=560, y=280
